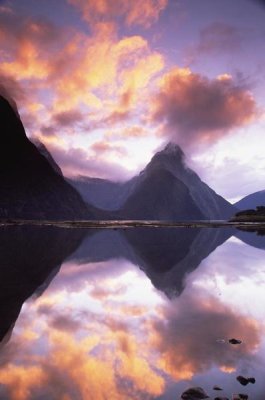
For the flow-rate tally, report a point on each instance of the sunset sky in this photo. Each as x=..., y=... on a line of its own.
x=104, y=84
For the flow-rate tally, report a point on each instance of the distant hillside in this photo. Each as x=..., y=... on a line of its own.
x=250, y=215
x=251, y=201
x=102, y=193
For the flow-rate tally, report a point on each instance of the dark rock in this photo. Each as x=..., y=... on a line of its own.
x=252, y=380
x=221, y=398
x=245, y=381
x=217, y=388
x=242, y=380
x=195, y=393
x=240, y=396
x=235, y=341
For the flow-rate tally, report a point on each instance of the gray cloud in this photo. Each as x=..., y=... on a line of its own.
x=77, y=161
x=215, y=38
x=197, y=110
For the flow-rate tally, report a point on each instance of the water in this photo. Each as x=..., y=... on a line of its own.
x=130, y=314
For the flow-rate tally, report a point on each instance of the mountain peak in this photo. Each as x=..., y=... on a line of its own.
x=173, y=149
x=172, y=152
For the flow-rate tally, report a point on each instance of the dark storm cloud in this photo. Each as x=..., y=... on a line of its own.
x=195, y=109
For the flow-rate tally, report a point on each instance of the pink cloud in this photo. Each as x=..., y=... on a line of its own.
x=135, y=12
x=197, y=110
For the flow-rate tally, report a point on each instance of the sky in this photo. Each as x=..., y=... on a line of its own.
x=104, y=84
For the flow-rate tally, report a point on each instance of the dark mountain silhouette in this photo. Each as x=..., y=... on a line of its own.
x=166, y=255
x=159, y=195
x=252, y=238
x=29, y=186
x=166, y=171
x=30, y=257
x=251, y=201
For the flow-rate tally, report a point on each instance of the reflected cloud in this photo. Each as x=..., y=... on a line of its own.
x=187, y=336
x=101, y=329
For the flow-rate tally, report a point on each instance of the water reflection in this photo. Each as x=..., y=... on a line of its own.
x=135, y=314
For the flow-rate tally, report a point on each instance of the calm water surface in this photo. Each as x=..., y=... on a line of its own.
x=130, y=314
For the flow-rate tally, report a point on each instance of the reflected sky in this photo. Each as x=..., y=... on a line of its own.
x=101, y=329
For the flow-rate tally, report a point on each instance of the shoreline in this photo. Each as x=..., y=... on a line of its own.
x=125, y=224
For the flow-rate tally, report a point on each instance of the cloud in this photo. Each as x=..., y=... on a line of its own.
x=65, y=323
x=11, y=90
x=198, y=110
x=21, y=379
x=184, y=354
x=67, y=118
x=102, y=147
x=215, y=38
x=78, y=161
x=136, y=12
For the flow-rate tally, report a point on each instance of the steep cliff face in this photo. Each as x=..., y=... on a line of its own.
x=29, y=186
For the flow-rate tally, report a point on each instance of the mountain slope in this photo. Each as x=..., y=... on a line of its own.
x=212, y=205
x=159, y=195
x=251, y=201
x=112, y=196
x=29, y=186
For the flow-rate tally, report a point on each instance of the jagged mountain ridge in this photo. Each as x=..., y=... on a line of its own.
x=29, y=186
x=116, y=195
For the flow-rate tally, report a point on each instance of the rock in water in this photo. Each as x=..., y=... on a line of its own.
x=195, y=393
x=245, y=381
x=217, y=388
x=221, y=398
x=242, y=380
x=252, y=380
x=235, y=341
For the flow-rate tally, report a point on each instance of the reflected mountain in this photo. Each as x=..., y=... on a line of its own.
x=254, y=238
x=166, y=255
x=29, y=259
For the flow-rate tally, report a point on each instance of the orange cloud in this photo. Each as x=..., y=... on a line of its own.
x=21, y=380
x=137, y=12
x=94, y=71
x=196, y=110
x=186, y=337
